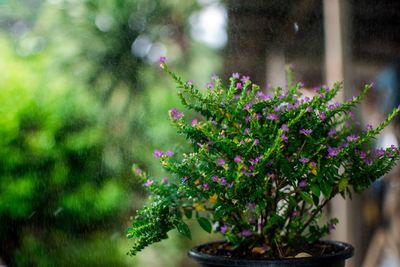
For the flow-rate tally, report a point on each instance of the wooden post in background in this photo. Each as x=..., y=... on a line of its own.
x=337, y=25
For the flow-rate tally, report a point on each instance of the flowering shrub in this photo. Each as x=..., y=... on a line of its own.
x=262, y=167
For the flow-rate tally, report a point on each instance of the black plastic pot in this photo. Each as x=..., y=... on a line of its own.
x=345, y=251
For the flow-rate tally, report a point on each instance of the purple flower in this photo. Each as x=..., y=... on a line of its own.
x=272, y=117
x=321, y=95
x=333, y=152
x=308, y=109
x=169, y=153
x=256, y=141
x=379, y=152
x=175, y=114
x=261, y=96
x=363, y=155
x=246, y=131
x=148, y=183
x=247, y=119
x=138, y=171
x=222, y=181
x=368, y=161
x=304, y=160
x=162, y=60
x=223, y=229
x=239, y=86
x=252, y=205
x=220, y=162
x=352, y=138
x=157, y=153
x=285, y=128
x=210, y=85
x=246, y=233
x=189, y=83
x=302, y=183
x=236, y=75
x=368, y=127
x=245, y=78
x=194, y=122
x=284, y=138
x=237, y=159
x=331, y=227
x=343, y=145
x=295, y=213
x=214, y=77
x=247, y=106
x=214, y=178
x=206, y=187
x=305, y=131
x=242, y=142
x=184, y=179
x=289, y=106
x=164, y=180
x=322, y=116
x=332, y=132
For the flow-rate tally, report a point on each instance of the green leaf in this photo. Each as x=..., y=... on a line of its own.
x=188, y=213
x=307, y=198
x=205, y=224
x=315, y=190
x=326, y=189
x=184, y=229
x=343, y=184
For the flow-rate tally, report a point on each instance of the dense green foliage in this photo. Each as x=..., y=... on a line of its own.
x=261, y=167
x=51, y=143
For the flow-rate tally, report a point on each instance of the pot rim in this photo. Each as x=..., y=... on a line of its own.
x=347, y=251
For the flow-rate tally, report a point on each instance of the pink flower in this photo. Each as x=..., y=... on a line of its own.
x=220, y=162
x=169, y=153
x=223, y=229
x=206, y=187
x=332, y=132
x=237, y=159
x=284, y=138
x=157, y=153
x=272, y=117
x=302, y=183
x=162, y=60
x=194, y=122
x=148, y=183
x=222, y=181
x=236, y=75
x=285, y=128
x=305, y=131
x=175, y=114
x=239, y=86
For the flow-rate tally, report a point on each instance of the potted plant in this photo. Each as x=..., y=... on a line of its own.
x=260, y=171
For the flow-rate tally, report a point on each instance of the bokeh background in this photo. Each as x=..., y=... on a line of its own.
x=82, y=99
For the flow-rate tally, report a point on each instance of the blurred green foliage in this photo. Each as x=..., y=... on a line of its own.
x=52, y=182
x=77, y=107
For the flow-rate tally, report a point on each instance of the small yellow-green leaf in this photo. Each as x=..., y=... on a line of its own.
x=343, y=184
